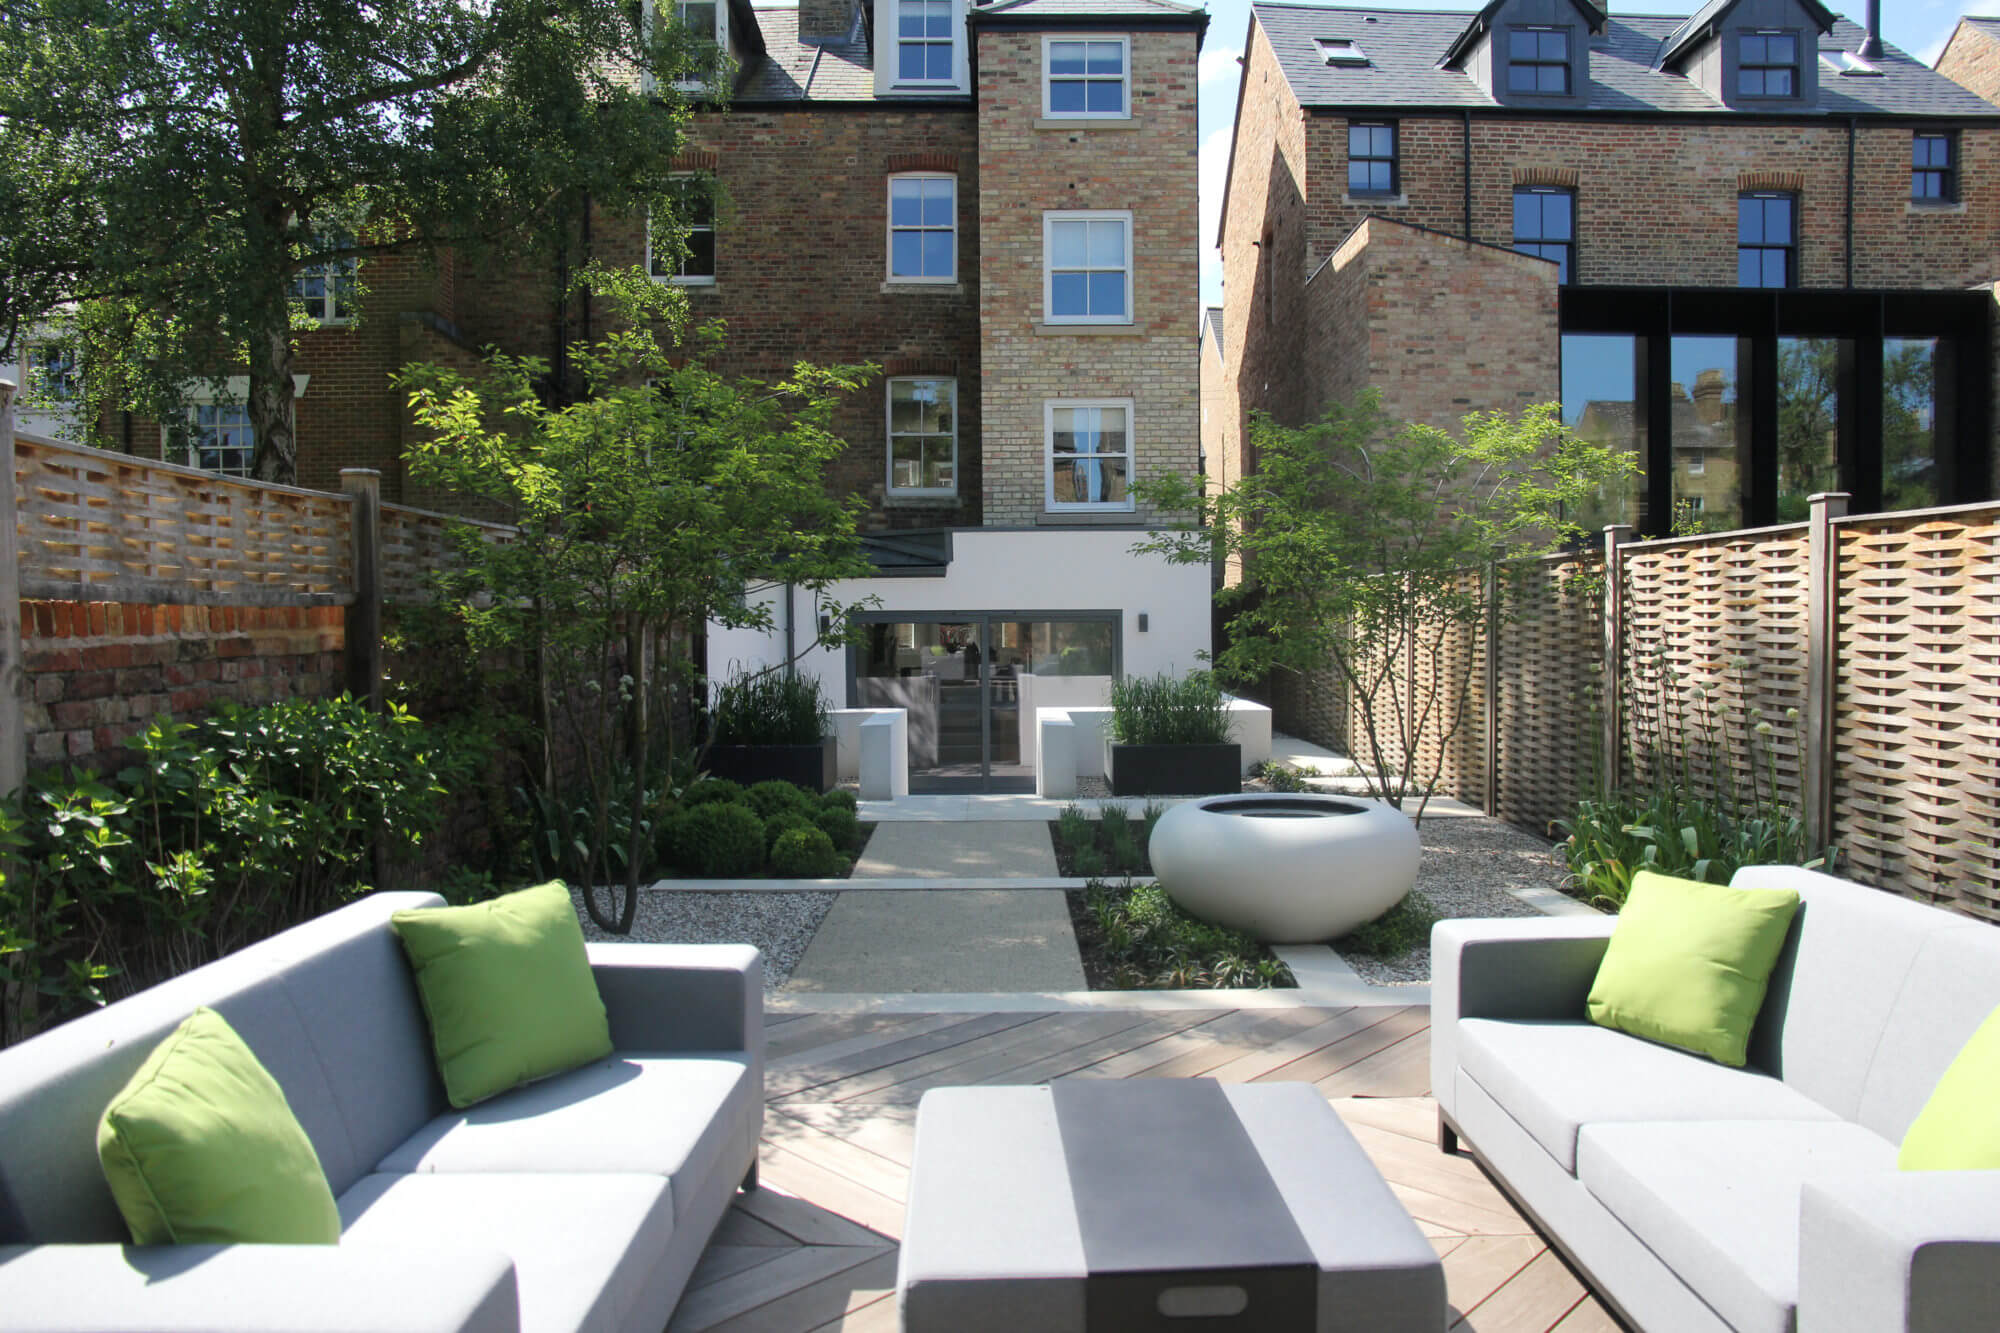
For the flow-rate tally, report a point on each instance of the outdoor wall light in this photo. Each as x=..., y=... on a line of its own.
x=825, y=624
x=1142, y=622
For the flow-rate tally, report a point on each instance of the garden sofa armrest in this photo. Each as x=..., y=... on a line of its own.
x=256, y=1288
x=682, y=997
x=1530, y=967
x=1900, y=1252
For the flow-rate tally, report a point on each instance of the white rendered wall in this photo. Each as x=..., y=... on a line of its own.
x=1039, y=692
x=1045, y=573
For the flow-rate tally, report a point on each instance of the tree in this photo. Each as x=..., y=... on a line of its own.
x=186, y=164
x=667, y=499
x=1361, y=542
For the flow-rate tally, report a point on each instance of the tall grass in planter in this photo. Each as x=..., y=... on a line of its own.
x=770, y=709
x=1169, y=710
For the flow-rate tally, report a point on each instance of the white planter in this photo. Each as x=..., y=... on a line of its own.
x=1289, y=869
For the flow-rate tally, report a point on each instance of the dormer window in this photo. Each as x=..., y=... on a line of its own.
x=1767, y=64
x=923, y=41
x=1340, y=52
x=1538, y=61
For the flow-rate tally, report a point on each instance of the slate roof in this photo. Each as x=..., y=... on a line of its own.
x=1211, y=326
x=1690, y=33
x=1092, y=9
x=795, y=71
x=1405, y=46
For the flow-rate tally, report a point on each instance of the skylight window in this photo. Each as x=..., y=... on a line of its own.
x=1341, y=51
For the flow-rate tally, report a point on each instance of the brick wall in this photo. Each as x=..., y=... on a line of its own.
x=1025, y=169
x=1972, y=57
x=96, y=672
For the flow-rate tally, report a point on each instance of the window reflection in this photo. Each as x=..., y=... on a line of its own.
x=1708, y=430
x=1601, y=402
x=1808, y=421
x=1909, y=423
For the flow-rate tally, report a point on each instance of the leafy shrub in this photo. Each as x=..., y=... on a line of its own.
x=721, y=840
x=1115, y=823
x=1076, y=827
x=774, y=795
x=807, y=853
x=1169, y=710
x=1122, y=847
x=1281, y=777
x=1674, y=832
x=1402, y=928
x=222, y=832
x=712, y=789
x=841, y=797
x=1140, y=940
x=1086, y=860
x=770, y=708
x=667, y=833
x=1148, y=818
x=841, y=825
x=781, y=823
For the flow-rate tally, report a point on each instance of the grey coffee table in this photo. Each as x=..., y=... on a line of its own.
x=1102, y=1206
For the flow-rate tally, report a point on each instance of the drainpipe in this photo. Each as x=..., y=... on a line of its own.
x=1465, y=154
x=1849, y=247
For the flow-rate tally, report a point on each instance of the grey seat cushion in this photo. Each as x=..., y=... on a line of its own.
x=1719, y=1202
x=678, y=1117
x=1555, y=1078
x=582, y=1244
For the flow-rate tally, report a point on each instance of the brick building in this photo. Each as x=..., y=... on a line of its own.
x=1749, y=246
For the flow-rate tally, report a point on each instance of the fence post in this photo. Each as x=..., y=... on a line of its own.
x=1612, y=738
x=364, y=613
x=1822, y=663
x=1492, y=801
x=13, y=679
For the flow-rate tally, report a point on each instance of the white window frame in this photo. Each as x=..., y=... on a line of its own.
x=1049, y=502
x=328, y=315
x=1049, y=221
x=1051, y=40
x=686, y=279
x=234, y=392
x=647, y=83
x=890, y=229
x=887, y=52
x=895, y=45
x=194, y=437
x=889, y=430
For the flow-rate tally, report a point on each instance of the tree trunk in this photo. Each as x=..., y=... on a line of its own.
x=271, y=411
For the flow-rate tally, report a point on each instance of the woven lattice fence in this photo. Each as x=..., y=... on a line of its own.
x=417, y=544
x=1550, y=644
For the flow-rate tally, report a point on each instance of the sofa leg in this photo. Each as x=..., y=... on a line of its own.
x=1447, y=1137
x=750, y=1178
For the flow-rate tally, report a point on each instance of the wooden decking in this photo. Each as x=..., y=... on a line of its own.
x=816, y=1247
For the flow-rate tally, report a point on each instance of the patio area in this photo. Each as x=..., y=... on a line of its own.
x=815, y=1248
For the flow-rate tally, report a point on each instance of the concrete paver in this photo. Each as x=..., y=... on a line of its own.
x=1001, y=940
x=983, y=849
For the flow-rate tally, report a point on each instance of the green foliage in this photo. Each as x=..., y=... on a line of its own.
x=1148, y=817
x=221, y=832
x=841, y=797
x=1169, y=710
x=807, y=853
x=721, y=841
x=840, y=824
x=770, y=708
x=714, y=789
x=1075, y=827
x=175, y=167
x=783, y=822
x=1361, y=541
x=1144, y=942
x=1086, y=860
x=1674, y=832
x=1404, y=927
x=1115, y=823
x=1281, y=777
x=775, y=795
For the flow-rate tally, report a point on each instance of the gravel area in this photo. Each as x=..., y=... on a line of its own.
x=1469, y=864
x=781, y=924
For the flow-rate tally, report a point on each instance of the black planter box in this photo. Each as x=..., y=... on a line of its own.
x=1174, y=770
x=813, y=767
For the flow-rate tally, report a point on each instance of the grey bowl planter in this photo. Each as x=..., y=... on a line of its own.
x=814, y=767
x=1173, y=770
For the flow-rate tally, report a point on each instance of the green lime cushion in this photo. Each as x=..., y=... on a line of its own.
x=507, y=989
x=201, y=1148
x=1958, y=1129
x=1688, y=963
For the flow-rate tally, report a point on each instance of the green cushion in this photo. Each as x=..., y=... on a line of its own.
x=1958, y=1129
x=200, y=1148
x=507, y=989
x=1688, y=963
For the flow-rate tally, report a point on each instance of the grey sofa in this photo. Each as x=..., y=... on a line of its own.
x=580, y=1202
x=1698, y=1197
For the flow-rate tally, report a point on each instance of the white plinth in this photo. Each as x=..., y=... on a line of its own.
x=883, y=755
x=1055, y=754
x=1289, y=869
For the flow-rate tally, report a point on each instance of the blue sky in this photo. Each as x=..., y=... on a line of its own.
x=1919, y=27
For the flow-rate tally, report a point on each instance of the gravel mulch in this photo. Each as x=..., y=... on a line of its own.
x=1469, y=864
x=780, y=924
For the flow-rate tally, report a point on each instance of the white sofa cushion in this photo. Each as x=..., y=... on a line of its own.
x=1555, y=1077
x=1718, y=1202
x=676, y=1117
x=582, y=1244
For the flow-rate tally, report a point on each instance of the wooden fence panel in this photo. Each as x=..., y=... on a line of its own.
x=1917, y=705
x=416, y=545
x=1551, y=643
x=1451, y=672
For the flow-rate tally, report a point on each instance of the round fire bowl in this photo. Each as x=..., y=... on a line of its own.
x=1289, y=869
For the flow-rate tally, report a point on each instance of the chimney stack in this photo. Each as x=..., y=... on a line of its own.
x=1871, y=45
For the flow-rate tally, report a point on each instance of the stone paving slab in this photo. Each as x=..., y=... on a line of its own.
x=980, y=849
x=1002, y=940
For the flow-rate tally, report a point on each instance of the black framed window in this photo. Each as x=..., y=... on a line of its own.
x=1371, y=159
x=1545, y=225
x=1538, y=60
x=1933, y=168
x=1767, y=239
x=1767, y=64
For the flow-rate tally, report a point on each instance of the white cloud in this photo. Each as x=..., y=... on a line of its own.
x=1218, y=63
x=1213, y=168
